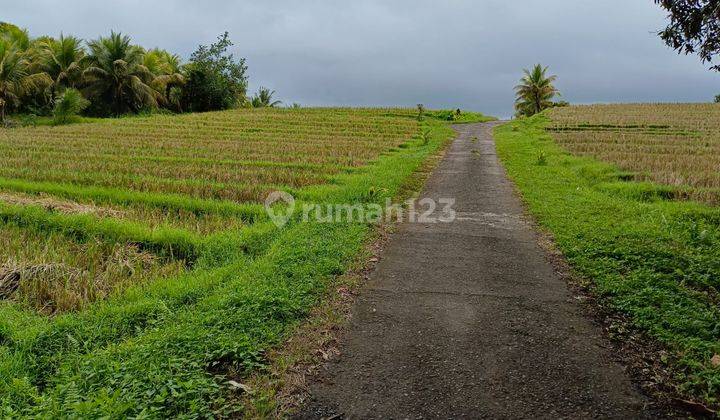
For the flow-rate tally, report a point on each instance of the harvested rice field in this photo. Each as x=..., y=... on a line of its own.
x=139, y=270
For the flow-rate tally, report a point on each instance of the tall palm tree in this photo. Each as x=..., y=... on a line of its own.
x=62, y=60
x=263, y=98
x=16, y=78
x=535, y=91
x=117, y=75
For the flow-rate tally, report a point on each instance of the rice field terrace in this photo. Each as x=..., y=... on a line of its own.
x=139, y=271
x=677, y=145
x=103, y=171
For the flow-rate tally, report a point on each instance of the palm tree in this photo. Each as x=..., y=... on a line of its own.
x=14, y=34
x=62, y=60
x=535, y=91
x=117, y=75
x=263, y=98
x=167, y=72
x=16, y=79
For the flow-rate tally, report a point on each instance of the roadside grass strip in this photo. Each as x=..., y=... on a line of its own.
x=654, y=261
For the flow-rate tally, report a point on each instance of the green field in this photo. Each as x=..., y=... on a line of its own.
x=617, y=188
x=146, y=273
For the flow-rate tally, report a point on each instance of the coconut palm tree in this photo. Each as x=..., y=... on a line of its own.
x=535, y=91
x=117, y=76
x=263, y=98
x=16, y=79
x=167, y=72
x=62, y=60
x=11, y=33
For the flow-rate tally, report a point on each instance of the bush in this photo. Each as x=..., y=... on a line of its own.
x=68, y=105
x=215, y=80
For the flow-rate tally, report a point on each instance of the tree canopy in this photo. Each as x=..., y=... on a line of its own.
x=694, y=27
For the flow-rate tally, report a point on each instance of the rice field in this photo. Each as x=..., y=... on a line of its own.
x=88, y=209
x=140, y=275
x=677, y=145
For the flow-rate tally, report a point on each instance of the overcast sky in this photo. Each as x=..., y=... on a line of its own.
x=451, y=53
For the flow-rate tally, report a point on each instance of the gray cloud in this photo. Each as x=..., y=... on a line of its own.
x=456, y=53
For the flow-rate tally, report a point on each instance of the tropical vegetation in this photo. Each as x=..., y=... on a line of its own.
x=118, y=77
x=535, y=92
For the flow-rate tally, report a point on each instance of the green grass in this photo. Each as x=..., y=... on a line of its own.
x=167, y=348
x=653, y=260
x=247, y=212
x=164, y=241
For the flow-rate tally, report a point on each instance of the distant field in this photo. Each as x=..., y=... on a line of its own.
x=672, y=144
x=629, y=194
x=139, y=272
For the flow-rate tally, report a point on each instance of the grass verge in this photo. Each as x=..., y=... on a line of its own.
x=655, y=262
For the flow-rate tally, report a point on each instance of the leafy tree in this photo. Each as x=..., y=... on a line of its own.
x=694, y=27
x=214, y=78
x=117, y=77
x=16, y=80
x=535, y=91
x=68, y=104
x=264, y=99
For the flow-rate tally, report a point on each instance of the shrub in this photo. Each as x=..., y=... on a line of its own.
x=68, y=105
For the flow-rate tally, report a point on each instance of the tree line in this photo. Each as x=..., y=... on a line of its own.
x=111, y=76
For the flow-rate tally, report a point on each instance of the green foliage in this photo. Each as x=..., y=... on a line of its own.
x=117, y=78
x=16, y=78
x=68, y=105
x=264, y=99
x=693, y=28
x=15, y=35
x=215, y=79
x=535, y=92
x=62, y=60
x=650, y=259
x=463, y=117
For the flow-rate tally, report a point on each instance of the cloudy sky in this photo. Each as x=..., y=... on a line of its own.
x=451, y=53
